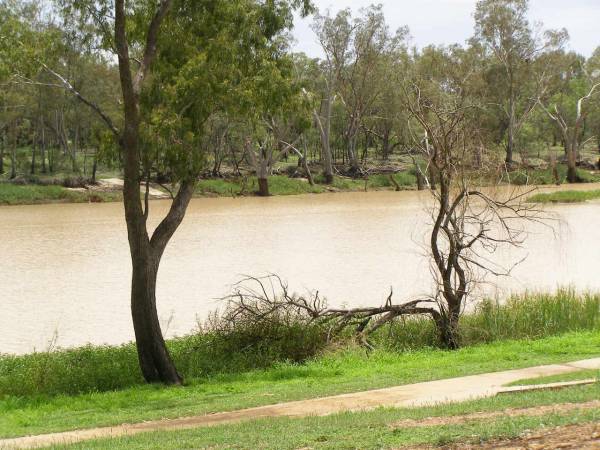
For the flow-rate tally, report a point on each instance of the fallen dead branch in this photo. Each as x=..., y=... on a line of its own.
x=256, y=299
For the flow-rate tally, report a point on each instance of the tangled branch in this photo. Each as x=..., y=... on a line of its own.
x=257, y=299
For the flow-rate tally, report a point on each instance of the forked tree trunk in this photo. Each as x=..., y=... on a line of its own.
x=448, y=329
x=154, y=359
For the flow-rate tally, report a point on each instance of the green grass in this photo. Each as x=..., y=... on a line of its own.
x=370, y=430
x=565, y=197
x=339, y=372
x=573, y=376
x=13, y=194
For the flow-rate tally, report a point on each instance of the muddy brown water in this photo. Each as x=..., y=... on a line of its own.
x=65, y=268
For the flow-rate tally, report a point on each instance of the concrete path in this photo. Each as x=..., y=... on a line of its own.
x=411, y=395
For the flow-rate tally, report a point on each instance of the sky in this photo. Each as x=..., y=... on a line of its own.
x=451, y=21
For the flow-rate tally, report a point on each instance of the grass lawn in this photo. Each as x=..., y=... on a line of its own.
x=339, y=372
x=566, y=197
x=373, y=430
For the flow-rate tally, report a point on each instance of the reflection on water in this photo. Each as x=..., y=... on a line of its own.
x=65, y=268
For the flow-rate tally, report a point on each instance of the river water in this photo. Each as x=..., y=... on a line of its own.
x=65, y=269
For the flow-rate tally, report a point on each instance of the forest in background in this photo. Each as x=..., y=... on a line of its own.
x=532, y=105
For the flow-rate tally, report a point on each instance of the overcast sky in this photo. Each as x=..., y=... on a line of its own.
x=451, y=21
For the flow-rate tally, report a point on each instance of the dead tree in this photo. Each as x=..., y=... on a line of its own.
x=469, y=223
x=256, y=299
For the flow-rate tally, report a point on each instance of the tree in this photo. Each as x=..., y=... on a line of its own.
x=502, y=27
x=570, y=115
x=172, y=82
x=334, y=35
x=467, y=222
x=356, y=54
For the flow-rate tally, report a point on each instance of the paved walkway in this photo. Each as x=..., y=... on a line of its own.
x=410, y=395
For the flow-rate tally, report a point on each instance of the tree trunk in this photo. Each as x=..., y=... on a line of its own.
x=448, y=328
x=33, y=145
x=51, y=159
x=432, y=175
x=43, y=148
x=511, y=124
x=155, y=361
x=352, y=157
x=13, y=157
x=263, y=187
x=325, y=132
x=95, y=166
x=510, y=145
x=74, y=150
x=386, y=145
x=572, y=176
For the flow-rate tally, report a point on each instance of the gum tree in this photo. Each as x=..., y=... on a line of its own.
x=516, y=81
x=180, y=62
x=569, y=110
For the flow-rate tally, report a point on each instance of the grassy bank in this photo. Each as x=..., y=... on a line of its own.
x=566, y=197
x=95, y=386
x=31, y=194
x=28, y=194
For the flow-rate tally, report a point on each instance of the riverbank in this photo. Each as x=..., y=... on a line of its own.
x=101, y=386
x=32, y=194
x=109, y=190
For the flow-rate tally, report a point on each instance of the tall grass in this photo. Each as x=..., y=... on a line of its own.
x=525, y=316
x=262, y=345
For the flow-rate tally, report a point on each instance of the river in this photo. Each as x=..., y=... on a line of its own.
x=65, y=268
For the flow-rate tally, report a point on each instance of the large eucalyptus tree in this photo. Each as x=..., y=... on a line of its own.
x=180, y=63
